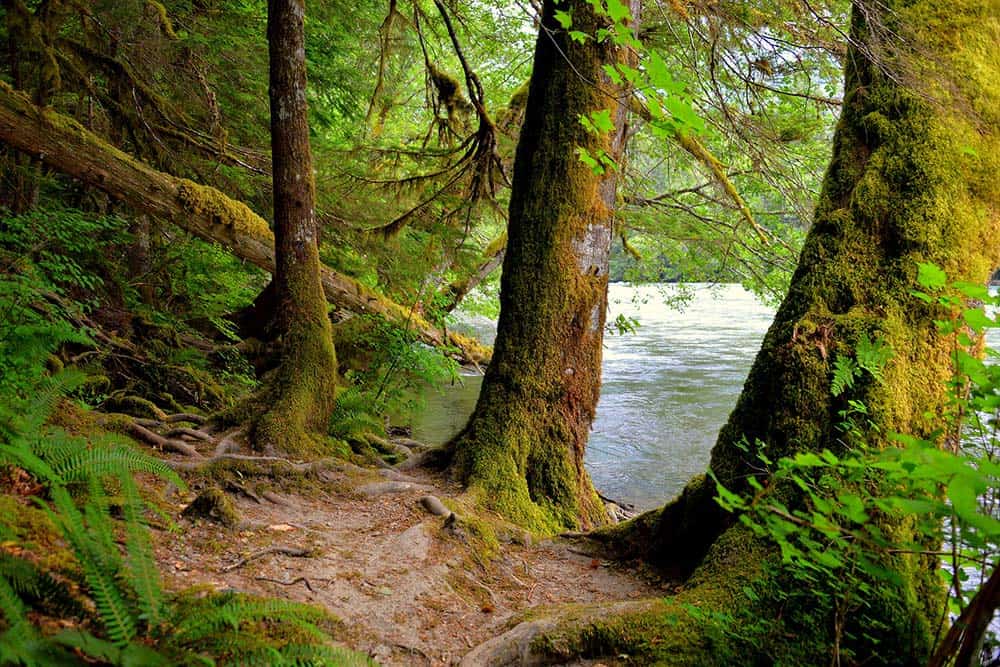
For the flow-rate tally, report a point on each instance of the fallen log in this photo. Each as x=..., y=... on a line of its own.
x=66, y=146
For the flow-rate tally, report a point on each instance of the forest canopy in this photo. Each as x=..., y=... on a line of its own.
x=242, y=241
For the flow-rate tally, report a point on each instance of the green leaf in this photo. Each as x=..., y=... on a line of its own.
x=931, y=276
x=618, y=11
x=602, y=120
x=809, y=460
x=972, y=290
x=612, y=73
x=977, y=319
x=564, y=18
x=589, y=160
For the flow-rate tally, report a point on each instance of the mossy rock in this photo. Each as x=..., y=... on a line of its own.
x=214, y=505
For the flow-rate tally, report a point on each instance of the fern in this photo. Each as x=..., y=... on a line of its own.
x=229, y=612
x=116, y=459
x=352, y=417
x=141, y=562
x=39, y=588
x=46, y=397
x=873, y=355
x=13, y=610
x=131, y=621
x=97, y=562
x=845, y=370
x=309, y=655
x=97, y=649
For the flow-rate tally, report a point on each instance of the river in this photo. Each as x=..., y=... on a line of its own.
x=668, y=388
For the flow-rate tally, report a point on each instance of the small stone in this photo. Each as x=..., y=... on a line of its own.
x=434, y=505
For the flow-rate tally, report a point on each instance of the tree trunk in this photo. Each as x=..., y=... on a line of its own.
x=521, y=452
x=68, y=147
x=912, y=179
x=139, y=257
x=301, y=393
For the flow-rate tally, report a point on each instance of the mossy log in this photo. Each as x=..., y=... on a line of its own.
x=66, y=146
x=912, y=179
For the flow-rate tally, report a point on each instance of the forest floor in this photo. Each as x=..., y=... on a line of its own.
x=411, y=588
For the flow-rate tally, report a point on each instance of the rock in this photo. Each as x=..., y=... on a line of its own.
x=411, y=444
x=434, y=505
x=276, y=499
x=396, y=476
x=381, y=488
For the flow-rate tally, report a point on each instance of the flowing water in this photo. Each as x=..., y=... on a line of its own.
x=668, y=388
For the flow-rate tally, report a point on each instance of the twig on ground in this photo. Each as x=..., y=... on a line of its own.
x=288, y=583
x=294, y=552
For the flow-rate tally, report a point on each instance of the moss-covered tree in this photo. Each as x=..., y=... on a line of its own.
x=301, y=393
x=521, y=452
x=911, y=180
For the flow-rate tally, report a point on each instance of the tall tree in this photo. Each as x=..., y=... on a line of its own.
x=911, y=180
x=301, y=393
x=522, y=449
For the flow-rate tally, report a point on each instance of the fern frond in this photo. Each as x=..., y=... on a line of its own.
x=119, y=460
x=873, y=355
x=23, y=457
x=229, y=612
x=316, y=655
x=99, y=564
x=141, y=562
x=259, y=654
x=47, y=396
x=13, y=610
x=844, y=371
x=39, y=588
x=106, y=652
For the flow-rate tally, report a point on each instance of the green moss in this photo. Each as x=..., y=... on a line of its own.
x=521, y=454
x=203, y=201
x=912, y=179
x=133, y=405
x=166, y=25
x=214, y=505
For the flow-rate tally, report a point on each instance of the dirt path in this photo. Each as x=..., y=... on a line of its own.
x=410, y=590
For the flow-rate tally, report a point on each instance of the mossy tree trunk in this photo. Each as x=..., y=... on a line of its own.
x=907, y=183
x=301, y=393
x=912, y=179
x=521, y=452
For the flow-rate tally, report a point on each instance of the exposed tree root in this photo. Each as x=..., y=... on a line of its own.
x=522, y=644
x=143, y=434
x=184, y=431
x=304, y=467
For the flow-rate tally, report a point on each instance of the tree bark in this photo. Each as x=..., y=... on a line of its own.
x=301, y=393
x=68, y=147
x=912, y=179
x=521, y=452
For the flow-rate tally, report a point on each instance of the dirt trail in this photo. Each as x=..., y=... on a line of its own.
x=410, y=590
